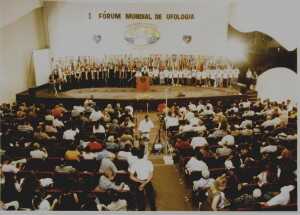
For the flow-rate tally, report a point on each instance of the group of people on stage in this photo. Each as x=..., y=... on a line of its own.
x=122, y=72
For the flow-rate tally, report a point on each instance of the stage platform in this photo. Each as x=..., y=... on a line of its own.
x=151, y=98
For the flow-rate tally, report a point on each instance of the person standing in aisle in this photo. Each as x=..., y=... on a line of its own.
x=141, y=174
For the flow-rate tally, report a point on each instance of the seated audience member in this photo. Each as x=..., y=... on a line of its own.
x=14, y=205
x=42, y=202
x=72, y=154
x=106, y=164
x=40, y=134
x=283, y=198
x=64, y=168
x=25, y=127
x=107, y=182
x=49, y=128
x=198, y=141
x=58, y=111
x=96, y=115
x=141, y=174
x=30, y=186
x=171, y=121
x=219, y=132
x=111, y=144
x=10, y=189
x=57, y=123
x=216, y=199
x=38, y=152
x=114, y=128
x=99, y=130
x=196, y=163
x=68, y=200
x=94, y=145
x=204, y=182
x=104, y=153
x=225, y=149
x=269, y=175
x=8, y=166
x=248, y=200
x=88, y=155
x=145, y=127
x=71, y=133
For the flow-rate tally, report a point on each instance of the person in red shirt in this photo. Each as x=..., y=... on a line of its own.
x=58, y=111
x=94, y=145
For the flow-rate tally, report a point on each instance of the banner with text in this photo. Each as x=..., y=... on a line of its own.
x=99, y=29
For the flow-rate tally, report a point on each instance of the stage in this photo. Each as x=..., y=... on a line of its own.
x=151, y=98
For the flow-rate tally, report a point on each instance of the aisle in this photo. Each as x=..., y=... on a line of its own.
x=171, y=193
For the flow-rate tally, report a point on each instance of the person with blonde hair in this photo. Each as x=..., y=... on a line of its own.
x=216, y=199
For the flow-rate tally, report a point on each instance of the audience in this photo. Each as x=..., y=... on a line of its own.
x=252, y=144
x=235, y=155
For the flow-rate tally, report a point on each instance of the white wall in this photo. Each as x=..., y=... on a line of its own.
x=278, y=19
x=12, y=10
x=17, y=41
x=71, y=32
x=278, y=84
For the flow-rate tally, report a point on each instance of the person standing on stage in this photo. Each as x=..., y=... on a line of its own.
x=134, y=74
x=175, y=76
x=150, y=73
x=194, y=76
x=180, y=76
x=122, y=75
x=236, y=74
x=52, y=87
x=89, y=75
x=199, y=78
x=93, y=72
x=127, y=76
x=155, y=75
x=230, y=76
x=218, y=77
x=166, y=75
x=225, y=77
x=115, y=79
x=105, y=74
x=77, y=74
x=110, y=75
x=97, y=75
x=189, y=75
x=170, y=76
x=161, y=76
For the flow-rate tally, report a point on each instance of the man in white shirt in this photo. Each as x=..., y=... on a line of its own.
x=198, y=142
x=171, y=121
x=141, y=173
x=145, y=127
x=281, y=199
x=96, y=115
x=70, y=134
x=196, y=163
x=58, y=123
x=8, y=167
x=38, y=153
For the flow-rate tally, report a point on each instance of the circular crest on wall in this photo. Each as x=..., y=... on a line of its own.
x=141, y=34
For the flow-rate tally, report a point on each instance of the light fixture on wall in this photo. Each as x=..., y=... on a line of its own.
x=97, y=38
